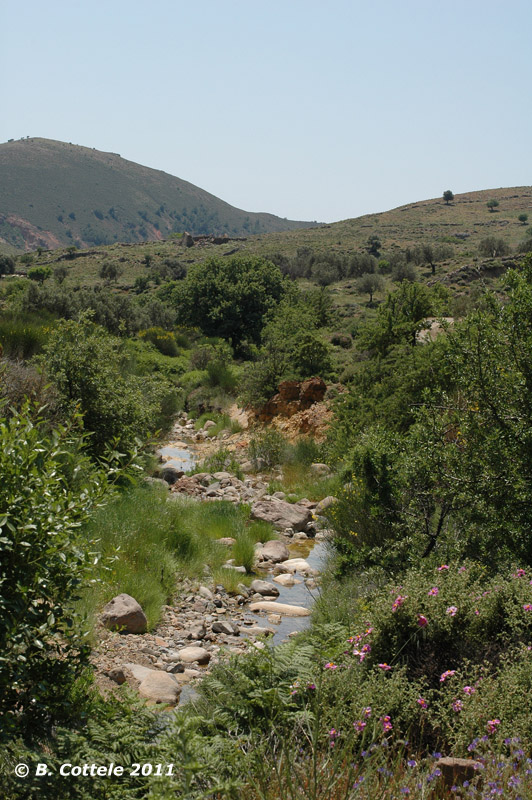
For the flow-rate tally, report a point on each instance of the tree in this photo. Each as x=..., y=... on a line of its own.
x=493, y=247
x=373, y=246
x=7, y=265
x=109, y=271
x=39, y=274
x=523, y=218
x=48, y=489
x=229, y=297
x=60, y=273
x=448, y=196
x=492, y=204
x=369, y=284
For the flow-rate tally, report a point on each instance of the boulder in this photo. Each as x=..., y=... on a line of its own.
x=209, y=424
x=299, y=565
x=320, y=469
x=264, y=588
x=205, y=593
x=280, y=608
x=287, y=580
x=155, y=685
x=281, y=515
x=325, y=503
x=223, y=626
x=170, y=475
x=258, y=630
x=190, y=654
x=124, y=614
x=275, y=551
x=227, y=541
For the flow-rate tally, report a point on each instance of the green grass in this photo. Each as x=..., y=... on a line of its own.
x=147, y=541
x=298, y=482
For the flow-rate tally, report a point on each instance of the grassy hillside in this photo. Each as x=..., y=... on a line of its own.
x=55, y=194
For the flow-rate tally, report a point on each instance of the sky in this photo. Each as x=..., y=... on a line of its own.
x=309, y=110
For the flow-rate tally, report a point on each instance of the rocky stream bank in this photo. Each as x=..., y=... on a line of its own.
x=205, y=623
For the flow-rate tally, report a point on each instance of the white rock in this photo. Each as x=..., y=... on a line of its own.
x=280, y=608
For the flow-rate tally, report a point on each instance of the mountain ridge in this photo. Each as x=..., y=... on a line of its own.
x=55, y=194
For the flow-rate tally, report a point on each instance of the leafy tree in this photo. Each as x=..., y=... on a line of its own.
x=373, y=245
x=39, y=274
x=369, y=284
x=229, y=297
x=60, y=273
x=7, y=265
x=109, y=271
x=492, y=204
x=399, y=318
x=523, y=218
x=493, y=247
x=310, y=355
x=448, y=196
x=48, y=488
x=90, y=371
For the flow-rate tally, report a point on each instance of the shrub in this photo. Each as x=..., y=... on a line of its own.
x=267, y=449
x=163, y=340
x=48, y=487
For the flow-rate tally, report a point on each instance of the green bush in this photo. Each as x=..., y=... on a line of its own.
x=163, y=340
x=48, y=488
x=267, y=448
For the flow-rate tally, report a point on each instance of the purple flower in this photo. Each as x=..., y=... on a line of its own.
x=422, y=702
x=367, y=712
x=434, y=591
x=458, y=705
x=330, y=665
x=359, y=726
x=386, y=723
x=492, y=724
x=385, y=667
x=527, y=607
x=469, y=690
x=398, y=602
x=412, y=763
x=443, y=568
x=422, y=620
x=451, y=611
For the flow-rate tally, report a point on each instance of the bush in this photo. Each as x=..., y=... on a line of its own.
x=267, y=449
x=163, y=340
x=48, y=487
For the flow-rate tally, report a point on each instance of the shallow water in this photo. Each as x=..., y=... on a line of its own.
x=177, y=456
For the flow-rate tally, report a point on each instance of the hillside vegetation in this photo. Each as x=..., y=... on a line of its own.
x=420, y=641
x=54, y=194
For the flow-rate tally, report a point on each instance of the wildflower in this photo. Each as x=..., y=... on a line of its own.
x=422, y=702
x=330, y=665
x=367, y=712
x=469, y=690
x=520, y=574
x=384, y=666
x=398, y=602
x=294, y=687
x=451, y=611
x=311, y=686
x=333, y=735
x=443, y=567
x=434, y=591
x=422, y=620
x=492, y=724
x=472, y=747
x=462, y=569
x=412, y=763
x=458, y=706
x=527, y=607
x=447, y=674
x=359, y=725
x=386, y=723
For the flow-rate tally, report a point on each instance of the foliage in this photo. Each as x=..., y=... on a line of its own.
x=163, y=340
x=492, y=204
x=89, y=369
x=229, y=297
x=48, y=487
x=369, y=284
x=493, y=246
x=267, y=448
x=448, y=196
x=39, y=274
x=7, y=265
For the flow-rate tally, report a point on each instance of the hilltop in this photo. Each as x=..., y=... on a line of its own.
x=57, y=194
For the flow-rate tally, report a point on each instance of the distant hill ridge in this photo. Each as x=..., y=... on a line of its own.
x=55, y=194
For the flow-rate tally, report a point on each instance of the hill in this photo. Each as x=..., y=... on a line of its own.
x=57, y=194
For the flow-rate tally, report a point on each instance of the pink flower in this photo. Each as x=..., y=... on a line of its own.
x=443, y=567
x=359, y=726
x=398, y=602
x=330, y=665
x=457, y=705
x=527, y=607
x=422, y=702
x=422, y=620
x=434, y=591
x=384, y=666
x=520, y=573
x=477, y=612
x=451, y=610
x=386, y=724
x=447, y=674
x=462, y=569
x=469, y=690
x=367, y=712
x=492, y=724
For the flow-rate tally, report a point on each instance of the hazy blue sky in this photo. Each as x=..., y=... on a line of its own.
x=310, y=110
